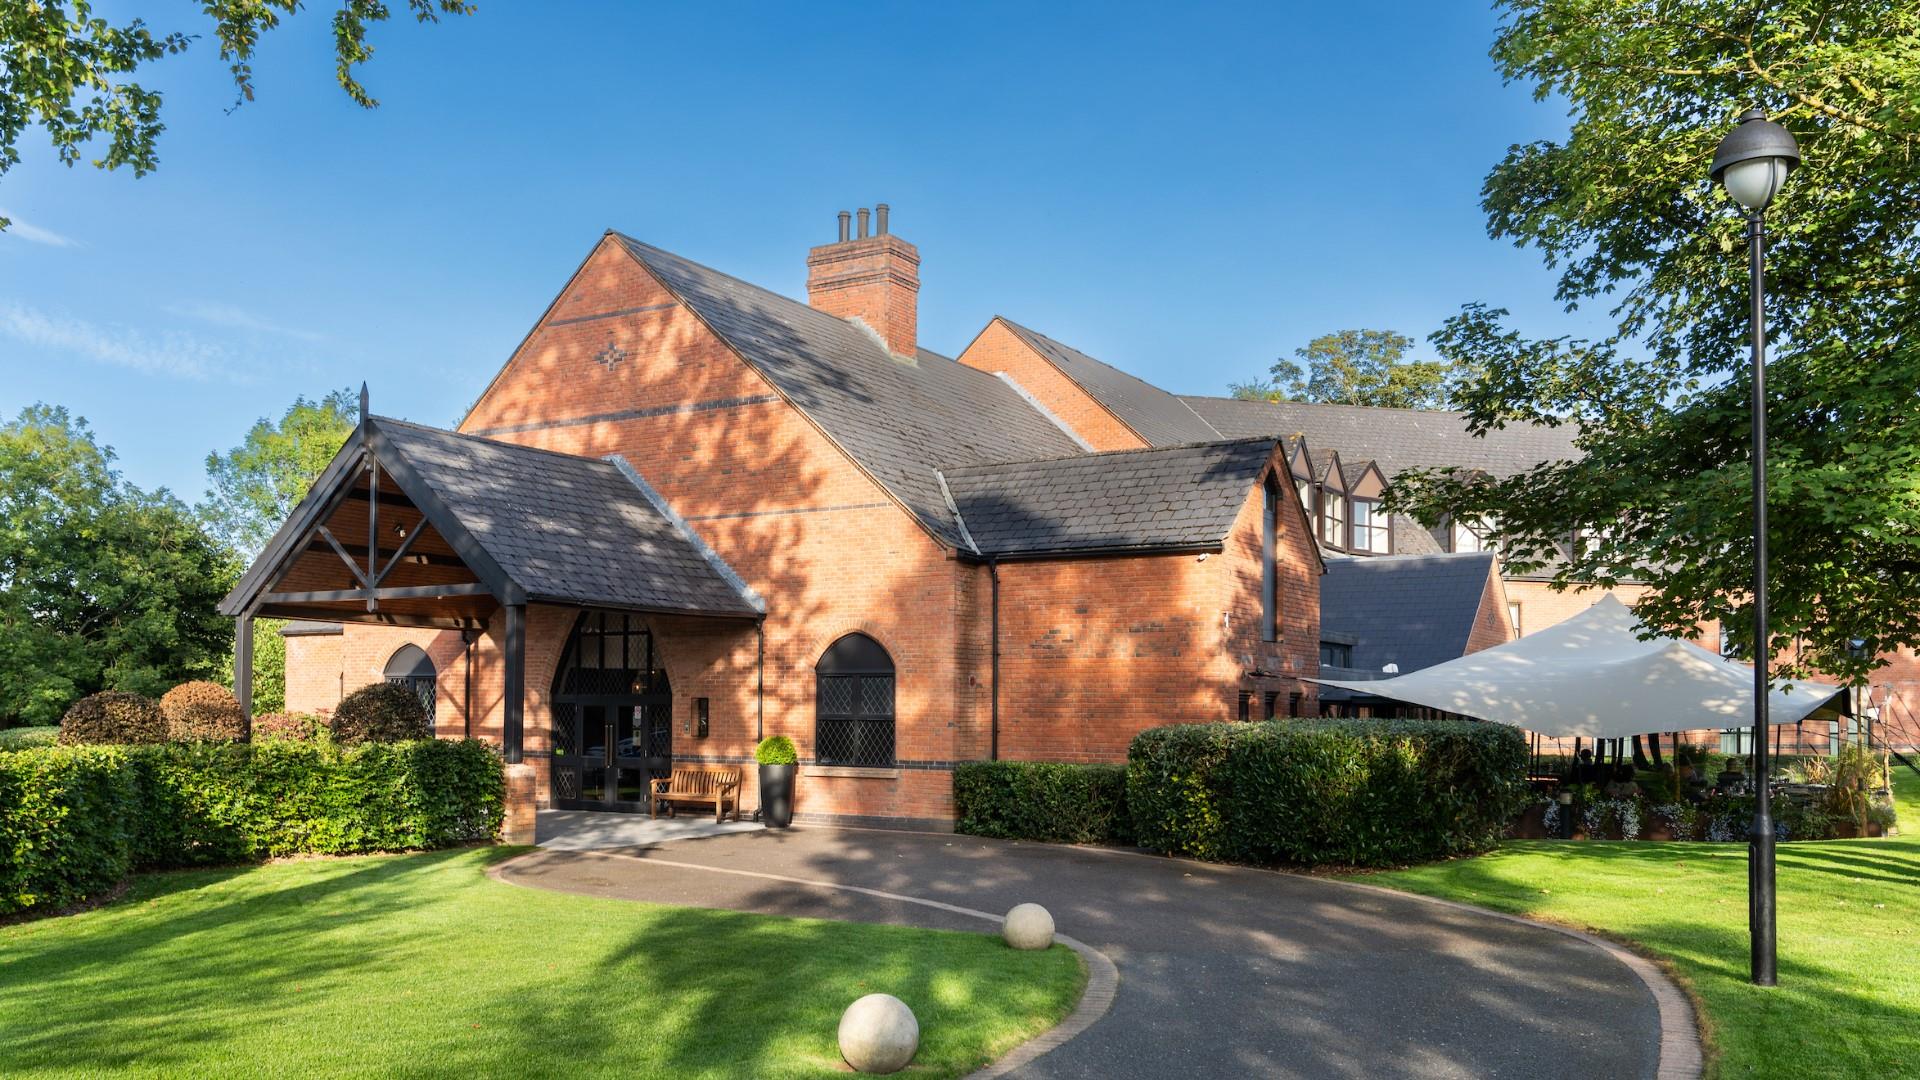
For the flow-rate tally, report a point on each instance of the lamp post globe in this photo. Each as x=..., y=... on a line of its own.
x=1752, y=163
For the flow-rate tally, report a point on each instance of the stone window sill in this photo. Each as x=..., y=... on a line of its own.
x=853, y=771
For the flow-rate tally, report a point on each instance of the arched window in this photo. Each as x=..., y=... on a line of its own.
x=409, y=666
x=853, y=708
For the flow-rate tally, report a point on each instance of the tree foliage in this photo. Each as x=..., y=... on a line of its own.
x=102, y=586
x=256, y=485
x=1356, y=367
x=68, y=69
x=1623, y=209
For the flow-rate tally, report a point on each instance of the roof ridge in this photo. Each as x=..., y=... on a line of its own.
x=1413, y=556
x=1104, y=454
x=1325, y=405
x=679, y=524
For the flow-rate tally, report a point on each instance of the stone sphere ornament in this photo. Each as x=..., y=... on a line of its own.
x=1028, y=926
x=878, y=1034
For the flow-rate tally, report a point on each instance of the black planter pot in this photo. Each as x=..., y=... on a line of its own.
x=776, y=795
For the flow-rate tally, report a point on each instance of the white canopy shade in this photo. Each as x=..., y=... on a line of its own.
x=1592, y=677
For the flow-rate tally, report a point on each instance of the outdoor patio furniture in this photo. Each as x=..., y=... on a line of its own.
x=717, y=786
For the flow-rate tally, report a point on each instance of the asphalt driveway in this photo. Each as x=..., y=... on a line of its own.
x=1222, y=971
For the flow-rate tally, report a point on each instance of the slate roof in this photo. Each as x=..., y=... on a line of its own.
x=1157, y=416
x=899, y=418
x=1166, y=497
x=567, y=529
x=1412, y=610
x=1399, y=439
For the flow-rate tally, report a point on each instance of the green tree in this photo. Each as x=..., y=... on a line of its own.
x=1356, y=367
x=254, y=487
x=257, y=484
x=102, y=586
x=68, y=70
x=1623, y=209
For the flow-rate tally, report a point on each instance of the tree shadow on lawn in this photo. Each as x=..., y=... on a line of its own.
x=708, y=993
x=115, y=987
x=1896, y=863
x=420, y=965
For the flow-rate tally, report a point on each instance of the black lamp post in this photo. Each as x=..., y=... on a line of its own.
x=1752, y=163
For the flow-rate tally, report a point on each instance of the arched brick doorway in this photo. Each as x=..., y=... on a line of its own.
x=612, y=715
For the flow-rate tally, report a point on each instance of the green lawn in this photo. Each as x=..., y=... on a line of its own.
x=420, y=965
x=20, y=738
x=1848, y=1003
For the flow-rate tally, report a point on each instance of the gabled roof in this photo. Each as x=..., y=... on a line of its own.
x=538, y=524
x=1178, y=497
x=1155, y=415
x=1352, y=472
x=1399, y=439
x=1412, y=610
x=1327, y=470
x=566, y=528
x=899, y=419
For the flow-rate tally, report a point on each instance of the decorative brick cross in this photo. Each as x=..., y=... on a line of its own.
x=610, y=356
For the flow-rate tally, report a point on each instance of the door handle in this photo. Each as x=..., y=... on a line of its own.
x=609, y=745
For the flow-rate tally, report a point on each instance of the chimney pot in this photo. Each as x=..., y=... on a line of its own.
x=877, y=283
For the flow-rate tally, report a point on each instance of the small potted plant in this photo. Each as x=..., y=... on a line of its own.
x=778, y=760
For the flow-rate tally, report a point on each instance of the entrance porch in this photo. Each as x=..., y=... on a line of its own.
x=450, y=541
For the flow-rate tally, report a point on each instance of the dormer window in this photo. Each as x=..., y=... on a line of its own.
x=1462, y=536
x=1333, y=520
x=1372, y=530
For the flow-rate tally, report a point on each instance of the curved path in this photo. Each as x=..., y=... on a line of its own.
x=1223, y=971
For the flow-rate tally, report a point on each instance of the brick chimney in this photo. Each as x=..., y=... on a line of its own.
x=875, y=279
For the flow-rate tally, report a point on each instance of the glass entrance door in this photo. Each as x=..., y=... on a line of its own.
x=612, y=717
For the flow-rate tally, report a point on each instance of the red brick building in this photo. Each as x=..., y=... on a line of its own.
x=689, y=512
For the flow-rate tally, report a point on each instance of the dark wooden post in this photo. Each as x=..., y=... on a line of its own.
x=516, y=683
x=243, y=668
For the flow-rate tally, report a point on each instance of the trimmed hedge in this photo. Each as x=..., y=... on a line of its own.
x=1307, y=792
x=380, y=712
x=113, y=716
x=286, y=727
x=1041, y=800
x=76, y=820
x=203, y=712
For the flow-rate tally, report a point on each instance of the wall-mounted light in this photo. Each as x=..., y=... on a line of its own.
x=701, y=727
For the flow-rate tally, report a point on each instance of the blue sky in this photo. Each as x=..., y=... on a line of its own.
x=1187, y=192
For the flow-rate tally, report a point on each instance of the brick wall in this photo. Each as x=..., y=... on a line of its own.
x=999, y=349
x=1094, y=651
x=1491, y=623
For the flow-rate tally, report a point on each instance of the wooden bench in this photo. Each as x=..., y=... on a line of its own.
x=716, y=786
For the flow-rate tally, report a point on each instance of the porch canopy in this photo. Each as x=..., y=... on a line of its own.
x=1593, y=677
x=414, y=526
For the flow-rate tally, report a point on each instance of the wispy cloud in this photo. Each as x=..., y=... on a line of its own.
x=235, y=318
x=171, y=354
x=34, y=234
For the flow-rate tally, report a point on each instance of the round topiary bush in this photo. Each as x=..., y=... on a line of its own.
x=285, y=727
x=203, y=712
x=113, y=716
x=380, y=712
x=776, y=750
